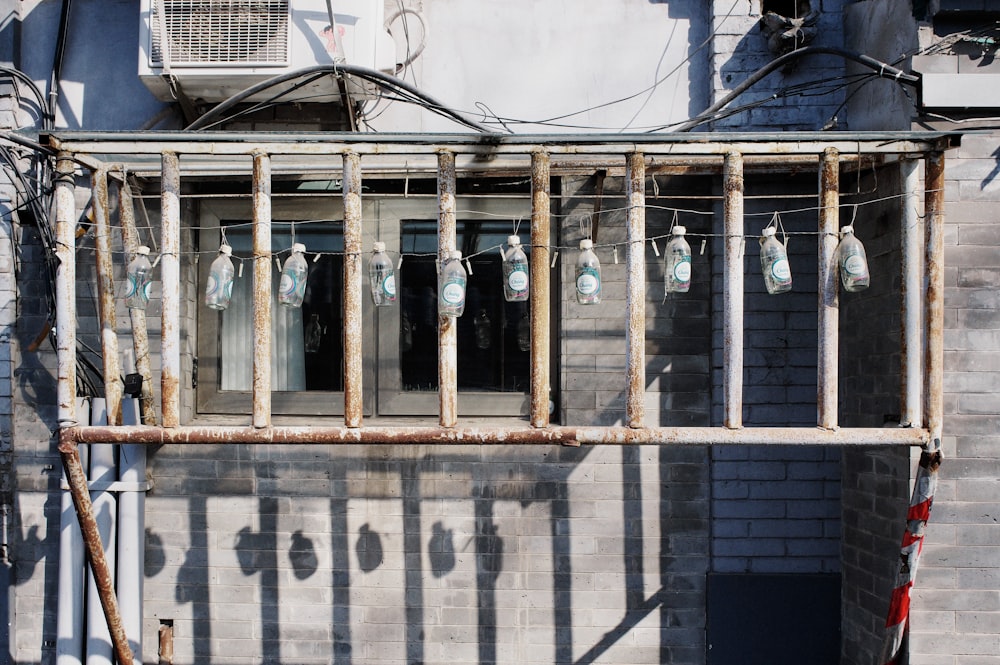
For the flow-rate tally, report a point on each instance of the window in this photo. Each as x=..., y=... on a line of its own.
x=400, y=341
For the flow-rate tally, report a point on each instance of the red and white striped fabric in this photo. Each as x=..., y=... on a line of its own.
x=897, y=621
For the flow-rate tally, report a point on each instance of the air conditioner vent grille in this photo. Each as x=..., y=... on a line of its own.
x=212, y=32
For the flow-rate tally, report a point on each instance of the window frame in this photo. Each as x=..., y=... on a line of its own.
x=382, y=393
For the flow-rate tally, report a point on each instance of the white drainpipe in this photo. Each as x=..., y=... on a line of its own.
x=127, y=529
x=131, y=532
x=69, y=620
x=102, y=474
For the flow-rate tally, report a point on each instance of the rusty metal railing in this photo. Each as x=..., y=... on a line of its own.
x=171, y=157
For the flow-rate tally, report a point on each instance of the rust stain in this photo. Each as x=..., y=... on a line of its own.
x=522, y=434
x=635, y=291
x=140, y=336
x=261, y=317
x=828, y=306
x=934, y=312
x=540, y=289
x=352, y=290
x=733, y=295
x=447, y=328
x=170, y=281
x=103, y=578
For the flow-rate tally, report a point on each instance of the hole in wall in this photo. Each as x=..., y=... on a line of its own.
x=787, y=8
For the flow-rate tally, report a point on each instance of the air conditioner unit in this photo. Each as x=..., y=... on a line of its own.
x=217, y=48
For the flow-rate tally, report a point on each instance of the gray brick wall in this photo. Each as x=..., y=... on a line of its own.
x=955, y=605
x=739, y=49
x=382, y=554
x=775, y=509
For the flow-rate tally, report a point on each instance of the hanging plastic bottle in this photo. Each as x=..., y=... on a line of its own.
x=774, y=263
x=484, y=333
x=219, y=291
x=382, y=277
x=515, y=271
x=292, y=288
x=852, y=260
x=451, y=286
x=139, y=279
x=588, y=274
x=677, y=263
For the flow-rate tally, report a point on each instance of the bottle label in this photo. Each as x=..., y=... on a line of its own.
x=389, y=286
x=213, y=284
x=854, y=265
x=682, y=270
x=453, y=292
x=781, y=271
x=518, y=280
x=587, y=281
x=287, y=286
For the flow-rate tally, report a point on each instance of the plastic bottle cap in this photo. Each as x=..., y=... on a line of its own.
x=847, y=229
x=298, y=247
x=768, y=232
x=455, y=254
x=225, y=249
x=680, y=230
x=142, y=249
x=513, y=241
x=586, y=243
x=379, y=246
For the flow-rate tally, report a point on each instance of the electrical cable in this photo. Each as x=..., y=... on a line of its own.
x=43, y=106
x=372, y=75
x=884, y=70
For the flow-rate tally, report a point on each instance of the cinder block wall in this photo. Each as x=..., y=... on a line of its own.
x=874, y=482
x=956, y=603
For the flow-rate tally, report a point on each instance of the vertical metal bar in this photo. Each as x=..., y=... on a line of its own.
x=934, y=317
x=95, y=549
x=352, y=290
x=540, y=287
x=447, y=325
x=140, y=336
x=732, y=352
x=828, y=307
x=65, y=215
x=113, y=388
x=170, y=333
x=635, y=290
x=912, y=273
x=261, y=290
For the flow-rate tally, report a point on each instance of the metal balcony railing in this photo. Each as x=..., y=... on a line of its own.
x=171, y=157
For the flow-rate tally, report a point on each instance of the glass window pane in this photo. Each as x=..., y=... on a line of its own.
x=307, y=345
x=493, y=341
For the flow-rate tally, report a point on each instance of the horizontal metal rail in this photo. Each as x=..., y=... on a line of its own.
x=519, y=435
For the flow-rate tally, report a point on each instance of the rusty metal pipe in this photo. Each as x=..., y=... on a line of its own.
x=911, y=238
x=65, y=218
x=490, y=435
x=261, y=290
x=170, y=279
x=732, y=352
x=137, y=316
x=113, y=388
x=828, y=293
x=447, y=325
x=540, y=290
x=353, y=329
x=103, y=577
x=934, y=314
x=635, y=290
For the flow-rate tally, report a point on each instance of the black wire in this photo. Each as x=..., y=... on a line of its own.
x=884, y=70
x=26, y=80
x=372, y=75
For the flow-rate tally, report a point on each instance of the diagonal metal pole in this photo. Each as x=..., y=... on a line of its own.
x=95, y=549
